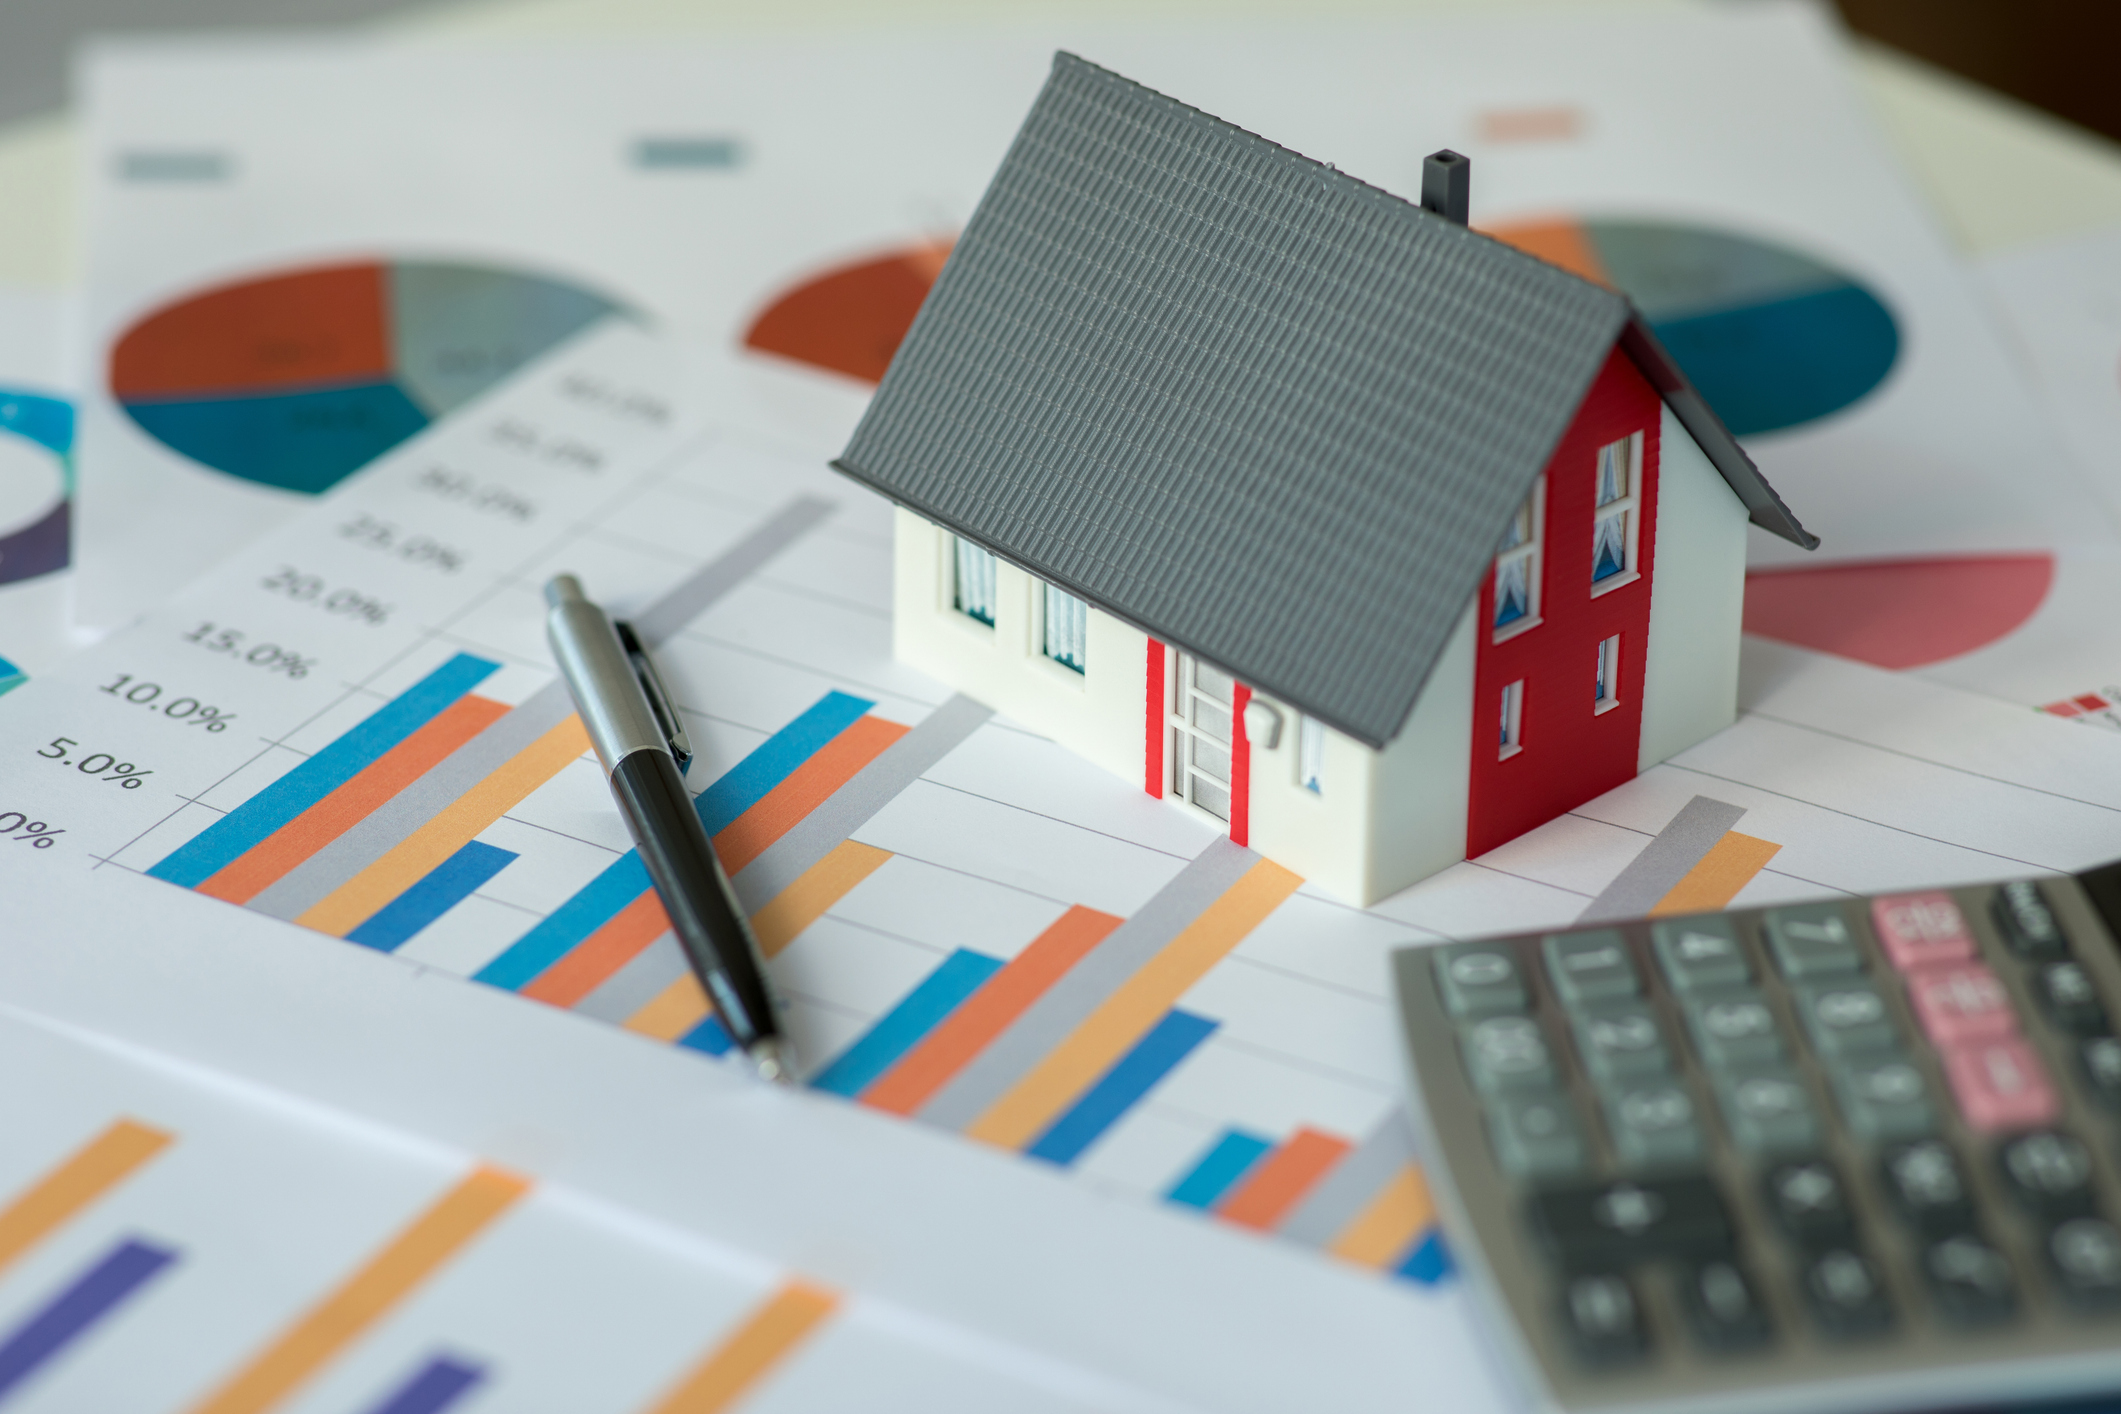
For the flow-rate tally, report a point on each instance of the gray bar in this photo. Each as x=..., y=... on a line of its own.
x=172, y=166
x=1664, y=861
x=638, y=983
x=314, y=880
x=711, y=153
x=389, y=824
x=1084, y=987
x=875, y=786
x=1354, y=1181
x=730, y=568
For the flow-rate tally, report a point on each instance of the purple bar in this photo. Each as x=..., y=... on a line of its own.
x=51, y=1328
x=433, y=1387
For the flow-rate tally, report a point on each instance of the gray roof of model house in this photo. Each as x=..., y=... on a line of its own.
x=1255, y=407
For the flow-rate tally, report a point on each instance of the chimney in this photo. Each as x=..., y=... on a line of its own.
x=1446, y=183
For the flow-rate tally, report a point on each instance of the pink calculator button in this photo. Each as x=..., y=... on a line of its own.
x=1921, y=930
x=2000, y=1085
x=1957, y=1005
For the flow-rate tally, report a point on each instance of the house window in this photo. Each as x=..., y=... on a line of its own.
x=1311, y=755
x=1517, y=566
x=1607, y=695
x=1613, y=533
x=972, y=582
x=1512, y=720
x=1067, y=626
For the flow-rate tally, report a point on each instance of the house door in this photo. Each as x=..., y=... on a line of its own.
x=1200, y=717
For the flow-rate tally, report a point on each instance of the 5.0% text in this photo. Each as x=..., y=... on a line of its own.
x=96, y=763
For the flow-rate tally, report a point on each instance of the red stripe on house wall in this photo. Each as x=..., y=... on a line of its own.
x=1153, y=738
x=1240, y=768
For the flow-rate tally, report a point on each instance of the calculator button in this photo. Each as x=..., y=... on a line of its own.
x=1723, y=1306
x=1700, y=952
x=1928, y=1187
x=1812, y=940
x=1843, y=1020
x=1537, y=1136
x=1767, y=1111
x=2050, y=1172
x=2028, y=925
x=1603, y=1319
x=1479, y=980
x=2066, y=994
x=1653, y=1123
x=1845, y=1294
x=2101, y=1061
x=1590, y=967
x=2085, y=1255
x=1808, y=1202
x=1622, y=1040
x=1603, y=1226
x=1882, y=1099
x=2000, y=1085
x=1960, y=1004
x=1733, y=1027
x=1508, y=1053
x=1970, y=1280
x=1921, y=930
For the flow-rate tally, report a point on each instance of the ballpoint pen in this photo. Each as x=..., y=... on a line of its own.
x=643, y=747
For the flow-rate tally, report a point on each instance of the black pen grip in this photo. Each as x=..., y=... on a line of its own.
x=688, y=878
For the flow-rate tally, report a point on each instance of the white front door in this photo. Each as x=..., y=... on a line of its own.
x=1200, y=718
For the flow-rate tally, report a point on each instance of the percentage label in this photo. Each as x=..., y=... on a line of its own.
x=413, y=549
x=485, y=497
x=20, y=828
x=312, y=590
x=96, y=763
x=214, y=638
x=183, y=709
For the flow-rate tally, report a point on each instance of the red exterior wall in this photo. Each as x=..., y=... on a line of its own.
x=1570, y=753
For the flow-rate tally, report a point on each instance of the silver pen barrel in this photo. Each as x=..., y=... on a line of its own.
x=615, y=712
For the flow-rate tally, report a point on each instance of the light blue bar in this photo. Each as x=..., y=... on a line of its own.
x=1430, y=1261
x=1122, y=1087
x=709, y=1036
x=1219, y=1169
x=907, y=1024
x=235, y=833
x=740, y=787
x=446, y=885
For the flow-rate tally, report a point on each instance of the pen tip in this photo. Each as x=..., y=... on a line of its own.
x=774, y=1060
x=563, y=589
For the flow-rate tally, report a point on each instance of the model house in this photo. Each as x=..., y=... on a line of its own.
x=1310, y=509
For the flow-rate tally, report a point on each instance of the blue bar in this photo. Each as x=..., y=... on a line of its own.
x=626, y=879
x=433, y=1387
x=1430, y=1261
x=1132, y=1076
x=448, y=884
x=708, y=1036
x=235, y=833
x=1219, y=1169
x=73, y=1312
x=905, y=1025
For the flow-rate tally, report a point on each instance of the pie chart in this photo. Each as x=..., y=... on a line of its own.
x=1773, y=338
x=849, y=319
x=297, y=378
x=36, y=484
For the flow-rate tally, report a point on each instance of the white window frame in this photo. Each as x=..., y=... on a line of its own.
x=1063, y=636
x=1184, y=778
x=1511, y=739
x=1529, y=553
x=1626, y=505
x=959, y=555
x=1605, y=686
x=1311, y=755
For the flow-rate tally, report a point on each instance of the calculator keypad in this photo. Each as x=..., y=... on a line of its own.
x=1819, y=1126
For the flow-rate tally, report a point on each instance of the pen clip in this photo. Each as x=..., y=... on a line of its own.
x=658, y=696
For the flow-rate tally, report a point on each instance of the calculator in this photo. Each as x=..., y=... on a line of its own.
x=1845, y=1156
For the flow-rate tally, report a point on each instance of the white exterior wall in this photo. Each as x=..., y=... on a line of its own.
x=1097, y=713
x=1383, y=820
x=1697, y=602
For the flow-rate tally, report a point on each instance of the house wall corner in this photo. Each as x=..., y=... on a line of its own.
x=1697, y=603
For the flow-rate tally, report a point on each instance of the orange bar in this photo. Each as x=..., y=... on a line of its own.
x=369, y=1294
x=602, y=953
x=988, y=1012
x=1283, y=1178
x=95, y=1168
x=750, y=1352
x=1386, y=1230
x=819, y=887
x=1731, y=864
x=782, y=808
x=673, y=1011
x=262, y=865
